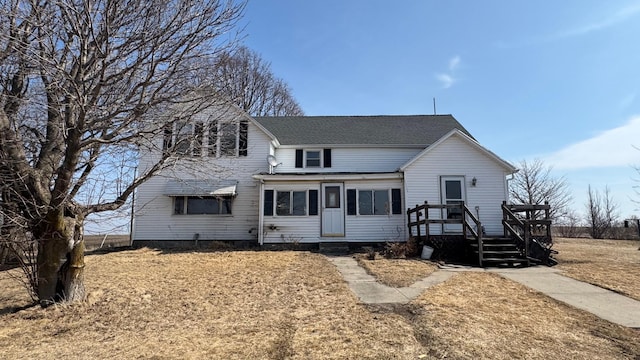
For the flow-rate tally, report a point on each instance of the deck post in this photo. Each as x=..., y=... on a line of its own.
x=409, y=222
x=426, y=222
x=504, y=218
x=418, y=220
x=464, y=220
x=547, y=217
x=527, y=236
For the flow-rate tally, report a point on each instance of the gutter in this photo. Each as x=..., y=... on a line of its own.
x=328, y=177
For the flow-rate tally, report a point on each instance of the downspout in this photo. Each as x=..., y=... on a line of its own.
x=261, y=214
x=506, y=187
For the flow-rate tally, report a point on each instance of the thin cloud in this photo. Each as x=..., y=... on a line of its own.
x=454, y=62
x=616, y=18
x=620, y=16
x=611, y=148
x=447, y=79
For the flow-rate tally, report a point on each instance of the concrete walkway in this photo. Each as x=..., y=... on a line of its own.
x=371, y=292
x=603, y=303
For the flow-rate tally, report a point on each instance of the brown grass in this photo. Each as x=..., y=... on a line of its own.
x=396, y=272
x=277, y=305
x=611, y=264
x=227, y=305
x=484, y=316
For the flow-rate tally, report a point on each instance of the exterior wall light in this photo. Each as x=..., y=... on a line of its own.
x=474, y=181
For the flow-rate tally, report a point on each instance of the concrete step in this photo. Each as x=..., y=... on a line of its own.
x=333, y=247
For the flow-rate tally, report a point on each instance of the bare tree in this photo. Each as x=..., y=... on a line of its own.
x=534, y=184
x=601, y=212
x=247, y=81
x=84, y=85
x=568, y=225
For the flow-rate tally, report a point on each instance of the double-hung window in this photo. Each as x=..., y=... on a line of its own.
x=373, y=202
x=291, y=203
x=312, y=158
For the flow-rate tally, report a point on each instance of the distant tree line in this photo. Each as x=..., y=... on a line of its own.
x=534, y=184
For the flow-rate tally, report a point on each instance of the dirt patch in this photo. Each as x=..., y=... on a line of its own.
x=610, y=264
x=396, y=272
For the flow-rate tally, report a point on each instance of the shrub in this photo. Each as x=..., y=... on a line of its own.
x=401, y=250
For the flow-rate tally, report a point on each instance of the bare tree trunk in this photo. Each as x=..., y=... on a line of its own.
x=60, y=259
x=73, y=283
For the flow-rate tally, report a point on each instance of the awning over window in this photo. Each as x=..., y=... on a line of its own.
x=200, y=188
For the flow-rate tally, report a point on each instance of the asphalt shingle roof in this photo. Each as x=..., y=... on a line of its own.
x=420, y=130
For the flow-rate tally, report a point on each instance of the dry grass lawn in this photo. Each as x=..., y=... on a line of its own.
x=396, y=272
x=611, y=264
x=280, y=305
x=225, y=305
x=484, y=316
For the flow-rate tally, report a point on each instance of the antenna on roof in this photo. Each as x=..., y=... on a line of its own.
x=434, y=106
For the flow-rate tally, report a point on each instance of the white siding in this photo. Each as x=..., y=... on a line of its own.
x=154, y=218
x=455, y=156
x=358, y=228
x=350, y=160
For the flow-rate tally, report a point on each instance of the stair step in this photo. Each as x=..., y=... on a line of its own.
x=505, y=260
x=498, y=252
x=333, y=247
x=493, y=245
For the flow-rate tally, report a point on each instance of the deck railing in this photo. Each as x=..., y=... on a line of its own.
x=520, y=222
x=419, y=216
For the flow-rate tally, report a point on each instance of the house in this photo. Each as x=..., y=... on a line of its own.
x=315, y=179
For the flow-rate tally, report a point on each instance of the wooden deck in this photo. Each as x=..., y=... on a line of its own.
x=527, y=234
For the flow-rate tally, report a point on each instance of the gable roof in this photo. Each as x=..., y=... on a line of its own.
x=407, y=130
x=469, y=140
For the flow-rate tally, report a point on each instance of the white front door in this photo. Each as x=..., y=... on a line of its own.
x=452, y=188
x=332, y=209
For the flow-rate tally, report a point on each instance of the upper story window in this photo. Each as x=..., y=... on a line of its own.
x=313, y=158
x=216, y=138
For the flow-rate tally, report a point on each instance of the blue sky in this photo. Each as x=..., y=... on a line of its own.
x=553, y=80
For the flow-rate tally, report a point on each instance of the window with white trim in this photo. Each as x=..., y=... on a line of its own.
x=291, y=203
x=201, y=205
x=312, y=158
x=218, y=138
x=374, y=202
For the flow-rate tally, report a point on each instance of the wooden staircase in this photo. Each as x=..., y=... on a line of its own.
x=526, y=240
x=499, y=251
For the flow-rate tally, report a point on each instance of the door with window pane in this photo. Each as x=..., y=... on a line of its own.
x=332, y=209
x=453, y=192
